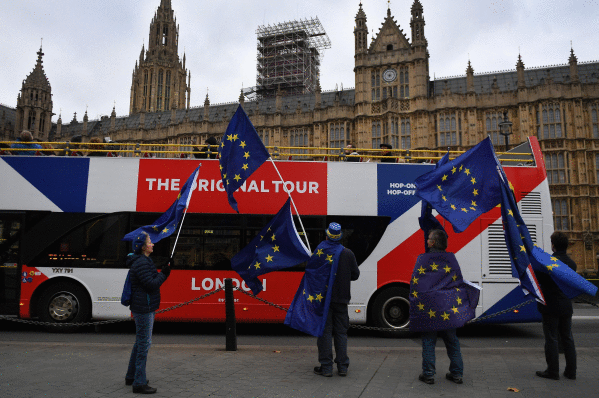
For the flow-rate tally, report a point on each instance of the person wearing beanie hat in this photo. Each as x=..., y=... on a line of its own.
x=211, y=146
x=337, y=321
x=387, y=152
x=145, y=300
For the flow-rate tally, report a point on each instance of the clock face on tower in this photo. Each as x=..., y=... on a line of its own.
x=389, y=75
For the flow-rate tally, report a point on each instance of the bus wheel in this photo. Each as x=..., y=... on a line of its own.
x=392, y=308
x=64, y=303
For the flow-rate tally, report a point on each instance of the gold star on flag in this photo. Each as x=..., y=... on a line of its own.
x=473, y=208
x=415, y=280
x=165, y=230
x=459, y=300
x=461, y=167
x=269, y=258
x=439, y=186
x=447, y=269
x=221, y=167
x=330, y=258
x=230, y=137
x=421, y=270
x=455, y=310
x=319, y=297
x=431, y=313
x=420, y=306
x=261, y=237
x=444, y=177
x=415, y=294
x=473, y=180
x=257, y=265
x=522, y=248
x=246, y=155
x=237, y=177
x=453, y=170
x=464, y=210
x=222, y=144
x=467, y=172
x=453, y=207
x=434, y=266
x=275, y=248
x=273, y=237
x=551, y=267
x=553, y=258
x=155, y=227
x=245, y=166
x=475, y=192
x=225, y=176
x=242, y=144
x=473, y=203
x=310, y=298
x=510, y=212
x=454, y=278
x=445, y=316
x=444, y=198
x=319, y=252
x=235, y=137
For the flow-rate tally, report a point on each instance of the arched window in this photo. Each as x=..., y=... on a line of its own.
x=159, y=93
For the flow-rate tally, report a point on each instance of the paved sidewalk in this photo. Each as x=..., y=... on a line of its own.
x=97, y=370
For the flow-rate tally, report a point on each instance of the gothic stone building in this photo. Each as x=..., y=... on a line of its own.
x=396, y=102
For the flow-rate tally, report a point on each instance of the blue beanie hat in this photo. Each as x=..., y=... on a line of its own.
x=138, y=242
x=334, y=232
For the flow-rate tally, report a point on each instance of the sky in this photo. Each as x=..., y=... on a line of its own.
x=91, y=47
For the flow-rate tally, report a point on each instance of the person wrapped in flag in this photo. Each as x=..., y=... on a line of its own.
x=320, y=304
x=440, y=302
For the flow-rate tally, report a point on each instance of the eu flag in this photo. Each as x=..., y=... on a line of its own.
x=277, y=246
x=241, y=153
x=310, y=306
x=426, y=220
x=528, y=258
x=463, y=188
x=440, y=299
x=166, y=224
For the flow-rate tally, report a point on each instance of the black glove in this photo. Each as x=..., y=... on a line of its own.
x=166, y=271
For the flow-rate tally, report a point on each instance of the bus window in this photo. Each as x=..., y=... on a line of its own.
x=361, y=234
x=94, y=244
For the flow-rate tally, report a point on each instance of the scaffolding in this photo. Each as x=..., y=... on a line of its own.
x=289, y=56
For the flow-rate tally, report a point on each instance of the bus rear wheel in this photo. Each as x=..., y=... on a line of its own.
x=392, y=308
x=64, y=303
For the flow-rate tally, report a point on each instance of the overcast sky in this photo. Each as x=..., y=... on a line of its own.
x=91, y=46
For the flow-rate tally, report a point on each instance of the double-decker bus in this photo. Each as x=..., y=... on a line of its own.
x=62, y=219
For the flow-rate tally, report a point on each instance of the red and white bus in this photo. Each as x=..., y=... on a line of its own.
x=62, y=220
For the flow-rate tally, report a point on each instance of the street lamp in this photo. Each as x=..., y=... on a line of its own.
x=505, y=128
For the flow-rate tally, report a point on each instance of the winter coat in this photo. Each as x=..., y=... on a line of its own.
x=347, y=271
x=145, y=284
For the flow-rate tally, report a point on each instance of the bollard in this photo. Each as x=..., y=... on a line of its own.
x=230, y=314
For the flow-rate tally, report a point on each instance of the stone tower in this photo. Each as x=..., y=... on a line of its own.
x=160, y=81
x=34, y=103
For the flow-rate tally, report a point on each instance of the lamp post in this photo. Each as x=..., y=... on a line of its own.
x=505, y=128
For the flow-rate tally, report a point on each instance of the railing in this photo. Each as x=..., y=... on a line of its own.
x=277, y=152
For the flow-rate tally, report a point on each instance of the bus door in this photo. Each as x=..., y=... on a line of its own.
x=10, y=278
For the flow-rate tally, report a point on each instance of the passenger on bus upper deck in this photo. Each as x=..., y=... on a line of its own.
x=211, y=146
x=351, y=154
x=390, y=157
x=95, y=145
x=26, y=142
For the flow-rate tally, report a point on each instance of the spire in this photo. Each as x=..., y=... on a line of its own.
x=165, y=4
x=113, y=114
x=241, y=97
x=207, y=100
x=520, y=73
x=573, y=67
x=572, y=59
x=361, y=31
x=38, y=77
x=469, y=78
x=417, y=24
x=469, y=69
x=85, y=118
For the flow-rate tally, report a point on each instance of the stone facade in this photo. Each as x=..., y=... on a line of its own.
x=396, y=102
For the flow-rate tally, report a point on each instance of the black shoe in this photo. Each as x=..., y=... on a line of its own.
x=318, y=370
x=455, y=378
x=426, y=379
x=146, y=389
x=342, y=372
x=570, y=376
x=129, y=382
x=546, y=375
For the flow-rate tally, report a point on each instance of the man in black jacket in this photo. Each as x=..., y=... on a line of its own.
x=557, y=316
x=145, y=300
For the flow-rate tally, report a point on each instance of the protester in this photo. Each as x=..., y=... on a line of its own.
x=337, y=321
x=26, y=142
x=211, y=145
x=387, y=152
x=95, y=146
x=557, y=315
x=440, y=302
x=351, y=155
x=145, y=300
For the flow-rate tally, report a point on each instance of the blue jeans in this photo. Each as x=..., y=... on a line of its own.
x=429, y=342
x=554, y=327
x=144, y=323
x=335, y=329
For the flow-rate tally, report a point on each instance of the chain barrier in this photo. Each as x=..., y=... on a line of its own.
x=39, y=323
x=586, y=301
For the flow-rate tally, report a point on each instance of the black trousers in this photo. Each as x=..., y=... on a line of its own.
x=558, y=328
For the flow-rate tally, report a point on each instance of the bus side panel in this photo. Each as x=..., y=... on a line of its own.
x=112, y=185
x=31, y=279
x=352, y=189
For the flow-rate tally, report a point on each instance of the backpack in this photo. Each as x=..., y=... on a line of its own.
x=126, y=295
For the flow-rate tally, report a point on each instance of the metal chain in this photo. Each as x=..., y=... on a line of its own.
x=39, y=323
x=587, y=301
x=260, y=299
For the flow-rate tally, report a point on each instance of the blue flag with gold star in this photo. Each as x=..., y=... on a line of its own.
x=528, y=258
x=426, y=220
x=277, y=246
x=166, y=224
x=463, y=188
x=440, y=299
x=310, y=306
x=241, y=153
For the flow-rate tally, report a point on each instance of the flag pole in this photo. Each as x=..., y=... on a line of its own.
x=193, y=188
x=292, y=202
x=178, y=232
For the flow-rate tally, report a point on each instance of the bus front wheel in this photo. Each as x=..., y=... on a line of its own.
x=64, y=303
x=392, y=308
